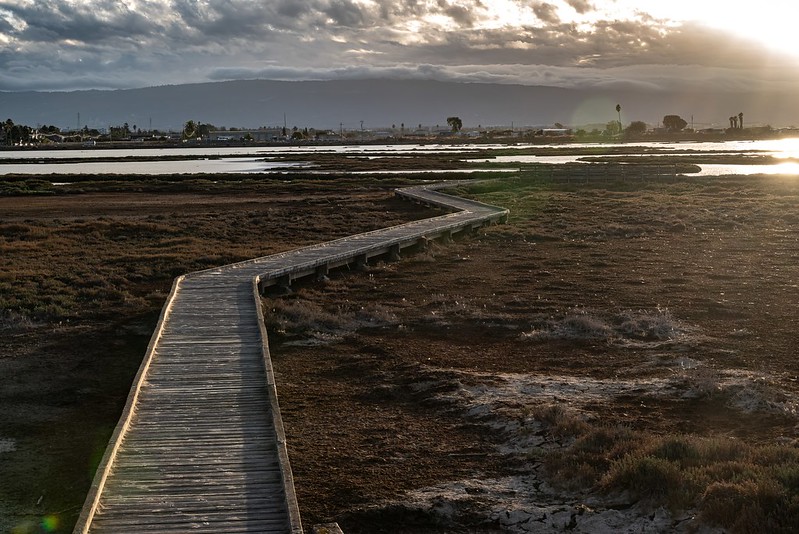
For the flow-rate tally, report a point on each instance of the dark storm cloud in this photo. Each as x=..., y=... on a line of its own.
x=353, y=72
x=104, y=43
x=345, y=13
x=53, y=20
x=5, y=27
x=290, y=9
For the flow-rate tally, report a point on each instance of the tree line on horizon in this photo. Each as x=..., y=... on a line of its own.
x=20, y=134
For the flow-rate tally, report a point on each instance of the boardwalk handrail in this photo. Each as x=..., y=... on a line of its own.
x=467, y=214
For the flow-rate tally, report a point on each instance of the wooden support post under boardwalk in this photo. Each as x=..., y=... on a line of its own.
x=200, y=445
x=283, y=286
x=394, y=253
x=361, y=262
x=423, y=243
x=321, y=272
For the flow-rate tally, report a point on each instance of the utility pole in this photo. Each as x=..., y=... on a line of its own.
x=341, y=130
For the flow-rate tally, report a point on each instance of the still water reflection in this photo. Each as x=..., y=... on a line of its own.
x=260, y=159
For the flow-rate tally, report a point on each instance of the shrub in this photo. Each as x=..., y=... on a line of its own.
x=750, y=507
x=560, y=422
x=299, y=317
x=742, y=487
x=584, y=463
x=14, y=321
x=676, y=449
x=722, y=501
x=644, y=476
x=586, y=325
x=655, y=325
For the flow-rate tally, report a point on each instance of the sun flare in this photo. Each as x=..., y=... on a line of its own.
x=770, y=23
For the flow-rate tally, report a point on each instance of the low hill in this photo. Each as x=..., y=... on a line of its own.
x=381, y=103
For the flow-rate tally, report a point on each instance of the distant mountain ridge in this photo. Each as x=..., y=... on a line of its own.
x=382, y=103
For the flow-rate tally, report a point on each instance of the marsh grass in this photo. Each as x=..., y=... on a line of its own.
x=296, y=316
x=82, y=278
x=103, y=263
x=12, y=321
x=734, y=485
x=579, y=324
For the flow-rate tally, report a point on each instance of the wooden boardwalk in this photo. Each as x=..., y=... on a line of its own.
x=200, y=445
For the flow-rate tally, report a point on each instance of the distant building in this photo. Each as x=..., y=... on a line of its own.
x=328, y=135
x=263, y=135
x=556, y=132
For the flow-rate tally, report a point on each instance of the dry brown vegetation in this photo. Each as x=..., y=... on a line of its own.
x=615, y=348
x=82, y=281
x=656, y=316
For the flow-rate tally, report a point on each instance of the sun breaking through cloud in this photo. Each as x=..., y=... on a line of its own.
x=72, y=44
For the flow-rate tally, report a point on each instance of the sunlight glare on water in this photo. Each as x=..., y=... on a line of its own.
x=787, y=148
x=260, y=159
x=776, y=169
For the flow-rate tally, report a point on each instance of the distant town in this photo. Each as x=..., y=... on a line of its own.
x=672, y=128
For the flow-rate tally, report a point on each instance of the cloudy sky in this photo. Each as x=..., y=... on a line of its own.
x=106, y=44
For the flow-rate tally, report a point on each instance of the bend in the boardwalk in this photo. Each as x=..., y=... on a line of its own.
x=200, y=445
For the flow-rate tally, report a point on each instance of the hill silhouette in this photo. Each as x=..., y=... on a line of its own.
x=381, y=103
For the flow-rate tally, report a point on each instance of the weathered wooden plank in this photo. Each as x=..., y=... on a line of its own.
x=200, y=445
x=167, y=517
x=205, y=527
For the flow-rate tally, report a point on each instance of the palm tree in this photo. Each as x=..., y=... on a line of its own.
x=618, y=110
x=741, y=120
x=7, y=129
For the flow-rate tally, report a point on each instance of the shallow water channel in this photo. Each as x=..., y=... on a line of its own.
x=210, y=160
